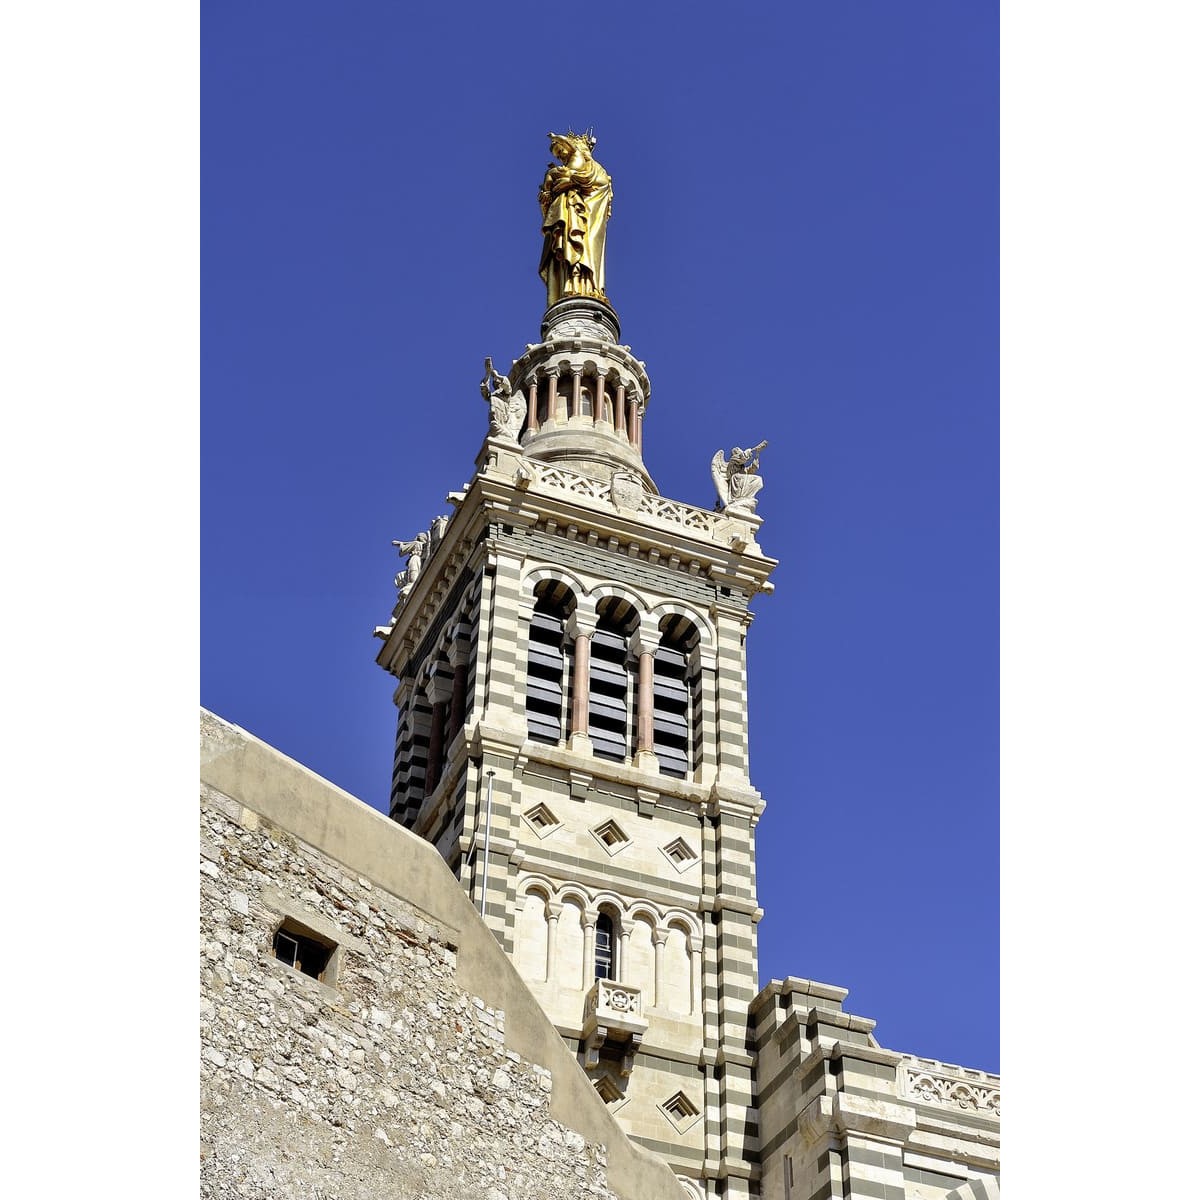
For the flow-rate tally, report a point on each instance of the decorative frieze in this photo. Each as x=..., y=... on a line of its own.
x=700, y=520
x=933, y=1082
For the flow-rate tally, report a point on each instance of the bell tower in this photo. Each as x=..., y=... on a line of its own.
x=569, y=651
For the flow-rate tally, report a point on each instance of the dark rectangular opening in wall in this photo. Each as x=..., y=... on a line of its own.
x=608, y=718
x=300, y=950
x=672, y=700
x=544, y=697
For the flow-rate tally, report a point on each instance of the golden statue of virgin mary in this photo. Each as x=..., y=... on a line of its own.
x=576, y=200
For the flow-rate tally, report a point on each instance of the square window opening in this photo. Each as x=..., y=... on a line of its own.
x=302, y=950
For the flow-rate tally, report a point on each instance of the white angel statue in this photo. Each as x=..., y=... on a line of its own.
x=416, y=550
x=507, y=408
x=737, y=481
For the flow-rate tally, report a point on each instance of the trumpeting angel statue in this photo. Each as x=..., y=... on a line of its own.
x=737, y=480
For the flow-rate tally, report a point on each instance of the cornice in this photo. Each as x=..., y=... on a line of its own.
x=611, y=772
x=510, y=489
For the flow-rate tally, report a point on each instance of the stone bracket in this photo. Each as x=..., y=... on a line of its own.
x=596, y=1039
x=581, y=784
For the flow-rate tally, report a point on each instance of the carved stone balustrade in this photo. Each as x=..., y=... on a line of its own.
x=701, y=521
x=612, y=1014
x=939, y=1083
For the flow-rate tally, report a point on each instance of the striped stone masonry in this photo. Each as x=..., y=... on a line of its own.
x=842, y=1116
x=577, y=643
x=629, y=842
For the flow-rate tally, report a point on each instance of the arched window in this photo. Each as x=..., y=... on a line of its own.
x=604, y=947
x=677, y=698
x=539, y=397
x=605, y=409
x=533, y=937
x=548, y=676
x=610, y=679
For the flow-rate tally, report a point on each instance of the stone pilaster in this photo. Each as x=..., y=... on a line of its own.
x=733, y=756
x=505, y=635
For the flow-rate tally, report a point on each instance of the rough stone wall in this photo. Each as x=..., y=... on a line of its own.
x=393, y=1072
x=388, y=1080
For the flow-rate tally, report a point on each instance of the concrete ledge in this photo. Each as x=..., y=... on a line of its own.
x=294, y=799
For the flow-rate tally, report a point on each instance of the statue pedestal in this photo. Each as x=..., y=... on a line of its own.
x=499, y=453
x=581, y=316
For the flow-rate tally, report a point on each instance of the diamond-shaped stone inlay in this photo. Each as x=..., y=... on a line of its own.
x=680, y=854
x=681, y=1112
x=608, y=1090
x=542, y=820
x=611, y=836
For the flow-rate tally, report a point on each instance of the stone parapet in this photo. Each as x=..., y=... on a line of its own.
x=942, y=1084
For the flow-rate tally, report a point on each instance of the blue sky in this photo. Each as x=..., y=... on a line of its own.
x=804, y=248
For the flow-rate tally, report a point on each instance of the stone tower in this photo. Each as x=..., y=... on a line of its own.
x=569, y=650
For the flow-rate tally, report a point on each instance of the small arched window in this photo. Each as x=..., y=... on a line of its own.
x=548, y=675
x=607, y=407
x=604, y=946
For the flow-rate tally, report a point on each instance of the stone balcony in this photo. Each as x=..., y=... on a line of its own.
x=612, y=1015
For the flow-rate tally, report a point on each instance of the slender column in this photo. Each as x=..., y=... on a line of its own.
x=531, y=390
x=580, y=627
x=588, y=921
x=695, y=945
x=437, y=691
x=433, y=768
x=458, y=692
x=552, y=397
x=645, y=701
x=645, y=643
x=576, y=387
x=583, y=660
x=631, y=419
x=637, y=420
x=660, y=983
x=553, y=912
x=619, y=409
x=623, y=943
